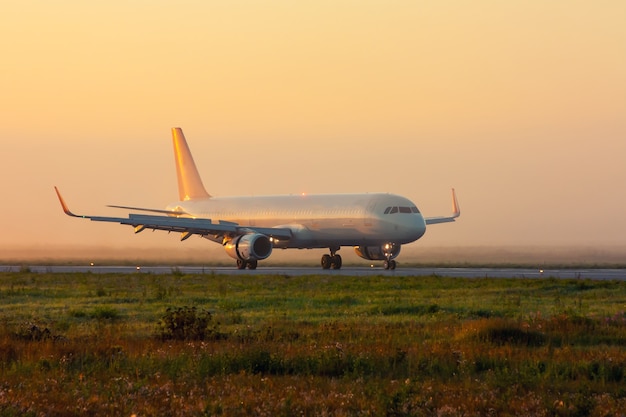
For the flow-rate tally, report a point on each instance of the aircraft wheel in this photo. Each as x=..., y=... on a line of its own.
x=253, y=264
x=326, y=261
x=241, y=264
x=390, y=264
x=336, y=261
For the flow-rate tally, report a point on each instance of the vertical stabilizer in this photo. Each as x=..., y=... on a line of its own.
x=190, y=185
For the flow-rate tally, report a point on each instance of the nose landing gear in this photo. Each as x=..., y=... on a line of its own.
x=388, y=251
x=389, y=264
x=331, y=261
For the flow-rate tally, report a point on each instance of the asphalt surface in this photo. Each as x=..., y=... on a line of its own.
x=597, y=274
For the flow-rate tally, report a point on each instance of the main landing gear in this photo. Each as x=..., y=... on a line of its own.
x=252, y=264
x=331, y=261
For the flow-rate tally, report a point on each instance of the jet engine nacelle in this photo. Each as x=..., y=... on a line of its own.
x=378, y=253
x=250, y=247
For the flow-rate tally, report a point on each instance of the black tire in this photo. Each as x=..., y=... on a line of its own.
x=253, y=264
x=326, y=261
x=241, y=264
x=392, y=264
x=336, y=261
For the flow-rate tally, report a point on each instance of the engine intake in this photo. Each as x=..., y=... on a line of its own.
x=378, y=253
x=250, y=247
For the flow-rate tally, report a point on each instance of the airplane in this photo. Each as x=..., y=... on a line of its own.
x=249, y=228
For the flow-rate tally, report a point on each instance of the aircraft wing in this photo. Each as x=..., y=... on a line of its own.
x=150, y=210
x=456, y=212
x=187, y=226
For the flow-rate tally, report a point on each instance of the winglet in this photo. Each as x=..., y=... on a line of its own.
x=456, y=210
x=190, y=185
x=65, y=208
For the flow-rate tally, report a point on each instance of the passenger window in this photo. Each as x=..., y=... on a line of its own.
x=387, y=210
x=393, y=210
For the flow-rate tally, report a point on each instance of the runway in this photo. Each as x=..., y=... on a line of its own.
x=596, y=274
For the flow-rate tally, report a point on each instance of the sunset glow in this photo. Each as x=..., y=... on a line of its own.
x=520, y=106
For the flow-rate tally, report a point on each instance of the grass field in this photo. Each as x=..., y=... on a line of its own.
x=140, y=344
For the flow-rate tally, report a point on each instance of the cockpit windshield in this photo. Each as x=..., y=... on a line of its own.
x=401, y=209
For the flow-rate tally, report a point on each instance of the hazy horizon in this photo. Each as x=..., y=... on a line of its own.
x=521, y=107
x=411, y=254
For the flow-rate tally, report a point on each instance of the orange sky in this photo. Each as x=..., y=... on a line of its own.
x=519, y=105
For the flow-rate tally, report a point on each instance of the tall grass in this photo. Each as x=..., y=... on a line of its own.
x=75, y=344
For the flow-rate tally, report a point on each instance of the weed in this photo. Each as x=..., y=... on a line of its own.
x=105, y=313
x=187, y=323
x=78, y=313
x=501, y=333
x=160, y=292
x=30, y=331
x=410, y=310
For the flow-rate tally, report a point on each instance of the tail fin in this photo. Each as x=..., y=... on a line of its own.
x=190, y=185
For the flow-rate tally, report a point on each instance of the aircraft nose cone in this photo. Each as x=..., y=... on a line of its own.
x=419, y=226
x=410, y=227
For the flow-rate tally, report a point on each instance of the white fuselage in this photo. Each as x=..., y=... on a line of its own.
x=319, y=221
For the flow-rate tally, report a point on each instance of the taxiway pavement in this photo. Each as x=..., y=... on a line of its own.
x=597, y=274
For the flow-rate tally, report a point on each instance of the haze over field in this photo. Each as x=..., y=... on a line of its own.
x=521, y=106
